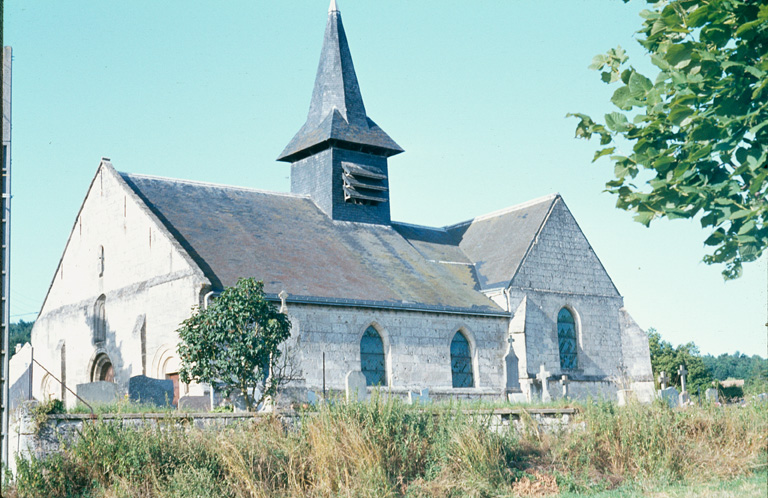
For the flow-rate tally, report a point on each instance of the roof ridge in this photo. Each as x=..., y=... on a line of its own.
x=211, y=184
x=500, y=212
x=416, y=225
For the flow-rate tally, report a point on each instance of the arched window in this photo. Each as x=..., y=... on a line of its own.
x=99, y=321
x=372, y=359
x=566, y=339
x=461, y=362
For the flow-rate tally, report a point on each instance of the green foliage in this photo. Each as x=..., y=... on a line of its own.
x=235, y=341
x=388, y=448
x=753, y=369
x=667, y=358
x=20, y=333
x=698, y=130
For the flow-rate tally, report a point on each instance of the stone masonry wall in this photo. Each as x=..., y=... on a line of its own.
x=147, y=282
x=561, y=270
x=416, y=345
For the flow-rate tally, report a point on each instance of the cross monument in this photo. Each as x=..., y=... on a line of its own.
x=542, y=376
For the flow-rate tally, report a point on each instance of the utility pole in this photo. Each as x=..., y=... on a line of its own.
x=5, y=259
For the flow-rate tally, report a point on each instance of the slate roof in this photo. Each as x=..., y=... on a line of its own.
x=337, y=113
x=289, y=243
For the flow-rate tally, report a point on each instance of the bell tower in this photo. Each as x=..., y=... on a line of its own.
x=339, y=157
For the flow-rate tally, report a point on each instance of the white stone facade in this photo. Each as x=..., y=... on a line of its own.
x=146, y=279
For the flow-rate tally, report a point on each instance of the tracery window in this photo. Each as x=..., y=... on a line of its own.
x=461, y=362
x=99, y=321
x=566, y=339
x=372, y=359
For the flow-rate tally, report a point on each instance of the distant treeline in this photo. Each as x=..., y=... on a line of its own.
x=704, y=370
x=20, y=333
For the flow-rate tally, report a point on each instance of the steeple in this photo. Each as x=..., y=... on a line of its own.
x=337, y=113
x=339, y=157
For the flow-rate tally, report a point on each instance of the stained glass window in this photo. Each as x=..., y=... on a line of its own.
x=461, y=362
x=566, y=339
x=372, y=361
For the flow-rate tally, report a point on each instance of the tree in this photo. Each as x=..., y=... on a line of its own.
x=667, y=358
x=699, y=130
x=235, y=341
x=19, y=333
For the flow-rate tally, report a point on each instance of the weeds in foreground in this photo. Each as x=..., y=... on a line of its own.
x=385, y=448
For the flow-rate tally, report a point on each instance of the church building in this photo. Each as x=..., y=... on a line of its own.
x=505, y=306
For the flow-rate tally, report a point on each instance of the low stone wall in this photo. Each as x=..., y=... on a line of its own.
x=29, y=437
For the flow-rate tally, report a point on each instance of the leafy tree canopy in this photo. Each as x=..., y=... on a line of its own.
x=19, y=333
x=698, y=130
x=234, y=341
x=667, y=358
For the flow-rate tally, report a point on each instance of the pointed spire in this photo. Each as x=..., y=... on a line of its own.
x=336, y=111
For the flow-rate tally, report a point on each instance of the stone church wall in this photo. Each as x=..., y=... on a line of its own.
x=562, y=271
x=118, y=251
x=416, y=345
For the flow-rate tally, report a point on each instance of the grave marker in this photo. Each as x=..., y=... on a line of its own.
x=543, y=376
x=356, y=386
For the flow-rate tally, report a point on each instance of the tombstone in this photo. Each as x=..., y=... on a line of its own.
x=683, y=372
x=143, y=389
x=670, y=395
x=425, y=396
x=238, y=402
x=283, y=296
x=564, y=381
x=100, y=392
x=413, y=398
x=663, y=380
x=685, y=398
x=195, y=403
x=311, y=398
x=542, y=376
x=513, y=375
x=712, y=395
x=625, y=396
x=356, y=386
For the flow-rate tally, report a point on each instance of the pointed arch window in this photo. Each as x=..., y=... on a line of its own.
x=566, y=339
x=461, y=362
x=372, y=359
x=99, y=320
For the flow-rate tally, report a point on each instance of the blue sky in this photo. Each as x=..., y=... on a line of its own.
x=475, y=92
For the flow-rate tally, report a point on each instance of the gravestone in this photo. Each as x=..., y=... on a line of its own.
x=683, y=372
x=564, y=381
x=413, y=398
x=195, y=403
x=100, y=392
x=712, y=395
x=425, y=396
x=513, y=376
x=356, y=386
x=143, y=389
x=543, y=377
x=311, y=398
x=625, y=396
x=663, y=380
x=671, y=396
x=685, y=398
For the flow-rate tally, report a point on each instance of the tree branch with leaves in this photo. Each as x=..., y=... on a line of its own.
x=235, y=342
x=699, y=130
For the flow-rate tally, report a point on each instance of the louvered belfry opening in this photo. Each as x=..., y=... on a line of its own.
x=339, y=156
x=363, y=184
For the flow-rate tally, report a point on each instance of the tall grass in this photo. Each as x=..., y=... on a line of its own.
x=386, y=448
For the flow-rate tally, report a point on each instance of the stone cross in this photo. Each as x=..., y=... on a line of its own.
x=564, y=384
x=283, y=296
x=683, y=372
x=663, y=379
x=543, y=375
